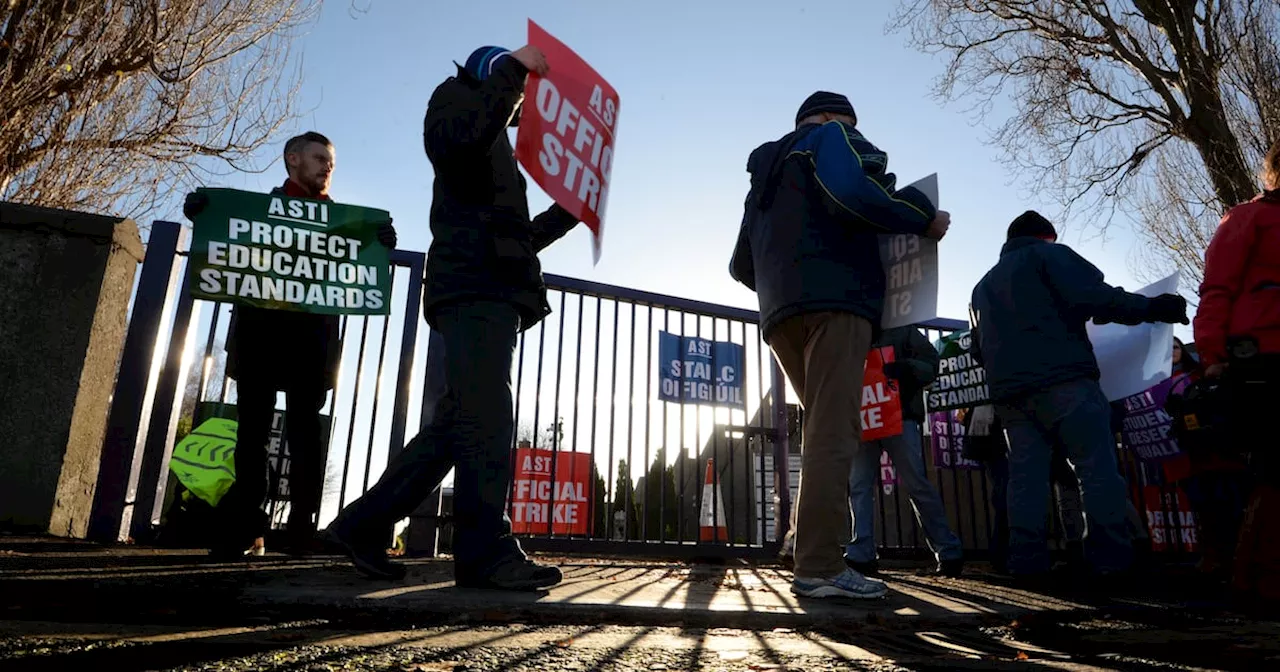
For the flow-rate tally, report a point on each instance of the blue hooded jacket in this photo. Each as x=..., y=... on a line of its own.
x=809, y=242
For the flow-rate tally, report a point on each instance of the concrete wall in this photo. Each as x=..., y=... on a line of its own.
x=65, y=282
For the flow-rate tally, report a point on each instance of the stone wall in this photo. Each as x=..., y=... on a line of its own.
x=65, y=282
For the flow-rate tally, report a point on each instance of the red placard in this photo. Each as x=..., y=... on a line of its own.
x=537, y=501
x=1170, y=519
x=566, y=133
x=881, y=405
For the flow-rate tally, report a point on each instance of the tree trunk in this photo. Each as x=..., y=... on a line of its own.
x=1209, y=130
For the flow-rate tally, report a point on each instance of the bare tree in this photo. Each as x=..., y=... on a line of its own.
x=107, y=105
x=1156, y=109
x=207, y=380
x=551, y=436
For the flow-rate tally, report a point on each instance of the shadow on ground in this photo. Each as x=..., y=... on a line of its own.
x=178, y=610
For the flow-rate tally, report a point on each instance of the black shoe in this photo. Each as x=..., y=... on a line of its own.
x=1061, y=578
x=369, y=558
x=228, y=553
x=864, y=568
x=950, y=569
x=305, y=542
x=514, y=574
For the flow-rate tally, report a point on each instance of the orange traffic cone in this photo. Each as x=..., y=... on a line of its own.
x=712, y=520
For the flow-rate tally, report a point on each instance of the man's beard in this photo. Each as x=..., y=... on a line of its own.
x=318, y=185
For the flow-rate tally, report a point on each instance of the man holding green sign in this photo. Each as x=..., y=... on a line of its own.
x=291, y=262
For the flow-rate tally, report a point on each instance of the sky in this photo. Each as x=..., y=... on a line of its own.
x=700, y=85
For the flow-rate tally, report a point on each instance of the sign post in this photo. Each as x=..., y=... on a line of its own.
x=881, y=403
x=961, y=381
x=1134, y=358
x=545, y=500
x=284, y=253
x=911, y=271
x=566, y=140
x=695, y=370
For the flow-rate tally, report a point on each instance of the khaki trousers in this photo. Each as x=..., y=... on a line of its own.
x=823, y=354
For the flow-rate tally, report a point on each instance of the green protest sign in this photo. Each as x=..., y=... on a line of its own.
x=275, y=251
x=204, y=461
x=962, y=380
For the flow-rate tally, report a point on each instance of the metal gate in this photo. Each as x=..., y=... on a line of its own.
x=173, y=361
x=587, y=385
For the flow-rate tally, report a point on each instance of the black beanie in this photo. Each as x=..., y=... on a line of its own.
x=825, y=101
x=1031, y=224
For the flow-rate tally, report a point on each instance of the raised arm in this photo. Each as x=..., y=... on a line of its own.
x=844, y=163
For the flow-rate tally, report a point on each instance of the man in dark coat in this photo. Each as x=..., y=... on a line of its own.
x=1029, y=314
x=819, y=197
x=914, y=367
x=483, y=287
x=280, y=350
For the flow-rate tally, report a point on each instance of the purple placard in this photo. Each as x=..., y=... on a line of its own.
x=1148, y=430
x=947, y=439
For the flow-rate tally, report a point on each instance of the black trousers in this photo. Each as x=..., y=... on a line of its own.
x=256, y=406
x=470, y=431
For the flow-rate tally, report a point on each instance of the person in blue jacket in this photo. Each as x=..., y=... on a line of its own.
x=820, y=195
x=1029, y=316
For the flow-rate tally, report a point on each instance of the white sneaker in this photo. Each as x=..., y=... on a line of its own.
x=848, y=584
x=259, y=548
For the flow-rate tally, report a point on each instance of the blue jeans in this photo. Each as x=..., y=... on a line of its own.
x=908, y=460
x=469, y=429
x=1073, y=417
x=1066, y=489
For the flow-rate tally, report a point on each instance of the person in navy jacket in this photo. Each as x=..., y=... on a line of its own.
x=1029, y=316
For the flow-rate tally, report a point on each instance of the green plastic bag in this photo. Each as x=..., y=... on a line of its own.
x=204, y=461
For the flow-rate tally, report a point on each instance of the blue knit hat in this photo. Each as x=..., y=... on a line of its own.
x=481, y=62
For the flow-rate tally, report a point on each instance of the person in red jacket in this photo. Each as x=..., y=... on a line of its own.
x=1240, y=295
x=1237, y=331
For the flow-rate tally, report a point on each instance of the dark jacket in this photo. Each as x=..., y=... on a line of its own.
x=915, y=366
x=985, y=449
x=819, y=198
x=484, y=245
x=1029, y=315
x=283, y=348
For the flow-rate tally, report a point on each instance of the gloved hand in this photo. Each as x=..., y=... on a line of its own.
x=894, y=370
x=1170, y=308
x=195, y=204
x=387, y=235
x=983, y=418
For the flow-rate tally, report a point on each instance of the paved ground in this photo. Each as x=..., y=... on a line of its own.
x=315, y=648
x=635, y=593
x=74, y=606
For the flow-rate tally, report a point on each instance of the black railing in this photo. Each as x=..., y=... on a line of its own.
x=588, y=392
x=158, y=397
x=587, y=381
